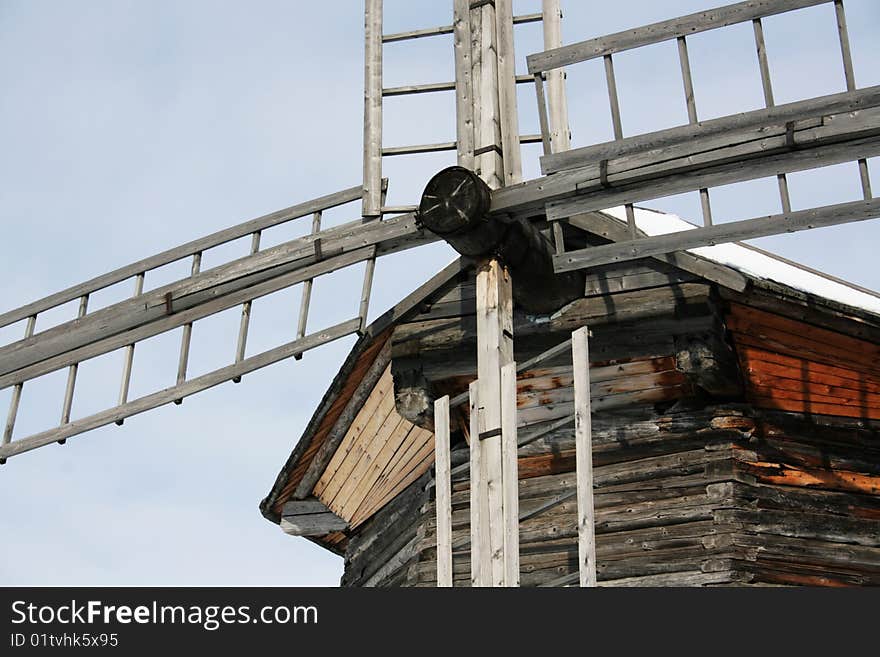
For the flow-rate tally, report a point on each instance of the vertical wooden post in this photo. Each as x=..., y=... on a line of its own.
x=72, y=370
x=560, y=134
x=478, y=495
x=464, y=88
x=510, y=474
x=487, y=124
x=494, y=350
x=16, y=392
x=584, y=457
x=372, y=204
x=128, y=358
x=443, y=491
x=507, y=106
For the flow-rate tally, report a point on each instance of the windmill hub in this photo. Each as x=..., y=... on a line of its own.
x=455, y=206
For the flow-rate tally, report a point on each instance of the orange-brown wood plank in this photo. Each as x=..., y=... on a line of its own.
x=806, y=389
x=786, y=336
x=299, y=469
x=761, y=362
x=374, y=410
x=390, y=438
x=850, y=400
x=788, y=475
x=808, y=407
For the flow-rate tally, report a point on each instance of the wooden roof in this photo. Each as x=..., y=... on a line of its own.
x=324, y=465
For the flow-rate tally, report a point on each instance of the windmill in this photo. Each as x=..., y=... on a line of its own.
x=774, y=141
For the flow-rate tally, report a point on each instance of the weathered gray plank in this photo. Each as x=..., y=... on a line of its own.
x=507, y=103
x=464, y=90
x=315, y=524
x=444, y=492
x=510, y=474
x=372, y=204
x=90, y=349
x=182, y=251
x=304, y=507
x=297, y=256
x=662, y=31
x=733, y=231
x=557, y=101
x=192, y=386
x=584, y=457
x=745, y=126
x=634, y=187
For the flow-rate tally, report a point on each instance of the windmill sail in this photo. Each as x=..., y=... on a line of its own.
x=773, y=141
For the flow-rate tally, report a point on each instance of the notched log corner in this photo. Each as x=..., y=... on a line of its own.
x=413, y=397
x=709, y=363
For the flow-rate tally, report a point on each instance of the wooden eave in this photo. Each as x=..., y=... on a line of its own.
x=358, y=361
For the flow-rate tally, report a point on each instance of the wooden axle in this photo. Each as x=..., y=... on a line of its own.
x=455, y=206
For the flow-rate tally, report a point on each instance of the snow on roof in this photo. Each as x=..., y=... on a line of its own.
x=755, y=263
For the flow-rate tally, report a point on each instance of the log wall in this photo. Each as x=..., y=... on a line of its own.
x=718, y=496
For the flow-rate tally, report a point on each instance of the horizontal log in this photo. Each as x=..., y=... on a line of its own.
x=805, y=525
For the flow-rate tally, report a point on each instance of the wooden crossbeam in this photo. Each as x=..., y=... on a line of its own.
x=733, y=231
x=670, y=29
x=715, y=133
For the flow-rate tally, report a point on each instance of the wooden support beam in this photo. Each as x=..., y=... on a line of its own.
x=715, y=133
x=487, y=119
x=715, y=170
x=494, y=350
x=507, y=105
x=732, y=231
x=510, y=474
x=584, y=457
x=662, y=31
x=478, y=496
x=77, y=351
x=443, y=494
x=372, y=200
x=609, y=227
x=310, y=517
x=560, y=134
x=464, y=87
x=208, y=292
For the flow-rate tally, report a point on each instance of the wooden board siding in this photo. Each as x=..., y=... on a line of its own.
x=719, y=496
x=341, y=391
x=792, y=365
x=380, y=454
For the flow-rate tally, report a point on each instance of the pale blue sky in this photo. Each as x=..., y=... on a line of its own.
x=128, y=127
